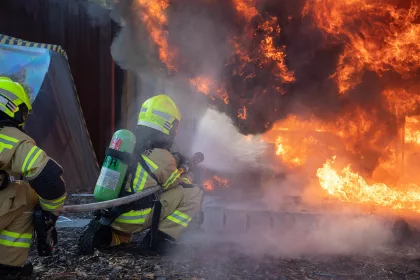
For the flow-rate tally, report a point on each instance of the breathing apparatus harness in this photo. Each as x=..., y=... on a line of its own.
x=107, y=216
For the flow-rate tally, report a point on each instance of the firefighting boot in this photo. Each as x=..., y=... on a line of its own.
x=95, y=236
x=16, y=271
x=162, y=245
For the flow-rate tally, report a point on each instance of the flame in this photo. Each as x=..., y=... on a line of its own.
x=375, y=36
x=412, y=130
x=292, y=155
x=268, y=52
x=152, y=14
x=215, y=183
x=242, y=113
x=246, y=8
x=298, y=140
x=222, y=94
x=379, y=37
x=272, y=53
x=206, y=85
x=351, y=187
x=208, y=185
x=401, y=102
x=202, y=84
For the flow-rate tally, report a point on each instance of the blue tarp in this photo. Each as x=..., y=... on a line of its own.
x=56, y=122
x=31, y=64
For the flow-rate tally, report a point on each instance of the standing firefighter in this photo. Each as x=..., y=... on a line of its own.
x=157, y=125
x=20, y=202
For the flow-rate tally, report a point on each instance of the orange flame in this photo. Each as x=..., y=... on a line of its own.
x=371, y=44
x=246, y=8
x=266, y=55
x=202, y=84
x=297, y=141
x=412, y=130
x=215, y=183
x=301, y=138
x=268, y=52
x=242, y=113
x=222, y=94
x=351, y=187
x=208, y=185
x=378, y=37
x=272, y=53
x=152, y=14
x=206, y=85
x=401, y=102
x=292, y=155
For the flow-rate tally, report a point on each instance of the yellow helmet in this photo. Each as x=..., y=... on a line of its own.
x=14, y=101
x=161, y=113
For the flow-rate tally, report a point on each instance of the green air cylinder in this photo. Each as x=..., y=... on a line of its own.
x=113, y=170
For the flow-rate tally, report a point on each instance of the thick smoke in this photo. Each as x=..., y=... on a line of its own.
x=99, y=11
x=200, y=37
x=192, y=28
x=200, y=33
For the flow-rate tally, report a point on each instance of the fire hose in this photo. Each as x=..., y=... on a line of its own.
x=110, y=203
x=194, y=160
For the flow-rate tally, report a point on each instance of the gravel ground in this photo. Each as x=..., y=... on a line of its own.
x=217, y=261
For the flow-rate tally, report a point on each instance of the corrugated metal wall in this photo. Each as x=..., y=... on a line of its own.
x=85, y=32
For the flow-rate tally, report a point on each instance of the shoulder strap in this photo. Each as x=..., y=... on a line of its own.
x=143, y=164
x=122, y=156
x=131, y=160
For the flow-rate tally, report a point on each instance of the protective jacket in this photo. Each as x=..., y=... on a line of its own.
x=20, y=157
x=42, y=183
x=164, y=167
x=179, y=204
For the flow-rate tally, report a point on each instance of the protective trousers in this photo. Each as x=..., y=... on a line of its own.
x=17, y=202
x=179, y=206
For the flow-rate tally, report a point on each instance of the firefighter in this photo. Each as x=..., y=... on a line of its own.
x=157, y=126
x=42, y=184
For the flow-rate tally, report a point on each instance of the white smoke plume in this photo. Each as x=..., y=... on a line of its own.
x=315, y=236
x=224, y=147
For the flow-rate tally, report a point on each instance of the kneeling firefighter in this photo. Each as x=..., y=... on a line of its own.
x=29, y=203
x=150, y=163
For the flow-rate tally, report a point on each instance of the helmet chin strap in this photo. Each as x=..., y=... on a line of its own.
x=11, y=123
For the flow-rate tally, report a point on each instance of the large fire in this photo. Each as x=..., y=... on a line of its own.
x=351, y=187
x=267, y=53
x=372, y=131
x=152, y=14
x=215, y=183
x=370, y=44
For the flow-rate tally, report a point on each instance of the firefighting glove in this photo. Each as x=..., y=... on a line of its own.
x=187, y=180
x=45, y=231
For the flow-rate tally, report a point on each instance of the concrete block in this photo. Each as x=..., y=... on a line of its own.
x=235, y=220
x=282, y=222
x=213, y=218
x=307, y=222
x=259, y=221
